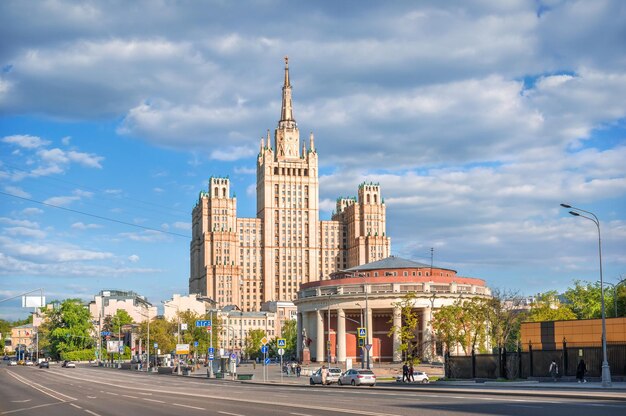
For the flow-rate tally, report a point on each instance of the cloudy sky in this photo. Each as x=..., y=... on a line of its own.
x=477, y=118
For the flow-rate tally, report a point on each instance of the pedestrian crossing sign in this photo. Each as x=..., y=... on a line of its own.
x=362, y=332
x=281, y=342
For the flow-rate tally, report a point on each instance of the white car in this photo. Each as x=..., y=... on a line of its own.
x=357, y=377
x=419, y=376
x=12, y=363
x=28, y=363
x=331, y=377
x=68, y=364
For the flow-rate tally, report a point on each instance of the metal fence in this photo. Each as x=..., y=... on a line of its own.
x=536, y=362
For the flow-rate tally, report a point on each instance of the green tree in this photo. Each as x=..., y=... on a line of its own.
x=66, y=328
x=463, y=323
x=289, y=331
x=253, y=343
x=584, y=299
x=161, y=332
x=120, y=319
x=447, y=325
x=505, y=314
x=547, y=307
x=406, y=331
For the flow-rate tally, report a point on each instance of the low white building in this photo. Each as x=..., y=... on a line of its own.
x=183, y=303
x=108, y=302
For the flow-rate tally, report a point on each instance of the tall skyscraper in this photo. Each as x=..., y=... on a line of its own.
x=248, y=261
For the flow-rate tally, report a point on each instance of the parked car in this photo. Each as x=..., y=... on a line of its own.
x=357, y=377
x=419, y=376
x=44, y=364
x=331, y=377
x=68, y=364
x=12, y=363
x=28, y=363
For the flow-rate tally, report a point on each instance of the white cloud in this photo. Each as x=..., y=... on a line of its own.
x=148, y=236
x=25, y=232
x=232, y=153
x=20, y=223
x=133, y=258
x=32, y=211
x=182, y=225
x=14, y=190
x=25, y=141
x=82, y=226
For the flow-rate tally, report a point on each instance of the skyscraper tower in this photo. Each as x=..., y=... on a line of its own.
x=248, y=261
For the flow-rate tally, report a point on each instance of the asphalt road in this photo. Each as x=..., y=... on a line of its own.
x=99, y=392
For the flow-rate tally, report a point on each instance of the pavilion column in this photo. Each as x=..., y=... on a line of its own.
x=427, y=336
x=397, y=326
x=299, y=342
x=341, y=335
x=319, y=337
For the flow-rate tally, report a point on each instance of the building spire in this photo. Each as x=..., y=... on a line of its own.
x=287, y=110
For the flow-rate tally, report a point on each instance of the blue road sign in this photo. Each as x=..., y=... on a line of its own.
x=362, y=332
x=267, y=360
x=233, y=356
x=105, y=333
x=282, y=342
x=211, y=356
x=211, y=350
x=264, y=349
x=121, y=348
x=204, y=323
x=195, y=344
x=156, y=345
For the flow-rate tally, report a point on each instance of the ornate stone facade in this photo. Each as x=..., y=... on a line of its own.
x=248, y=261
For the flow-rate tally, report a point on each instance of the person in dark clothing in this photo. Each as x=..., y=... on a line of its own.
x=554, y=370
x=411, y=373
x=580, y=371
x=405, y=373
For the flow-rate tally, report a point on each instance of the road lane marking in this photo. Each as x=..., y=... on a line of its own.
x=146, y=394
x=40, y=388
x=92, y=413
x=230, y=414
x=75, y=405
x=153, y=400
x=300, y=414
x=130, y=397
x=92, y=397
x=30, y=408
x=190, y=407
x=112, y=394
x=20, y=401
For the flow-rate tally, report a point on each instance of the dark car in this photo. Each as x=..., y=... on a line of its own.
x=44, y=364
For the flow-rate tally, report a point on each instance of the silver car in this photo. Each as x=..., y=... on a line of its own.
x=357, y=377
x=331, y=377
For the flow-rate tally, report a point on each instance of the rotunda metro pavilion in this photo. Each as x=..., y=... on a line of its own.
x=367, y=296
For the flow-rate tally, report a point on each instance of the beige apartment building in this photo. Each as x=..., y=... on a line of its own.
x=249, y=261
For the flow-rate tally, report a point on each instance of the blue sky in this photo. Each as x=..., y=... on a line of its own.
x=477, y=119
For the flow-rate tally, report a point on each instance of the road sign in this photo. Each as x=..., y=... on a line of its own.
x=264, y=349
x=182, y=349
x=361, y=342
x=211, y=350
x=183, y=327
x=211, y=356
x=264, y=340
x=267, y=360
x=368, y=347
x=121, y=349
x=281, y=351
x=203, y=323
x=233, y=356
x=156, y=345
x=195, y=343
x=105, y=333
x=362, y=332
x=208, y=328
x=281, y=342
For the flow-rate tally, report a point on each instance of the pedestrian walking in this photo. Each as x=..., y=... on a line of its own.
x=580, y=371
x=405, y=373
x=554, y=370
x=298, y=370
x=323, y=374
x=411, y=372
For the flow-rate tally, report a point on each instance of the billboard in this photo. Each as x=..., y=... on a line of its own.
x=33, y=301
x=182, y=348
x=114, y=346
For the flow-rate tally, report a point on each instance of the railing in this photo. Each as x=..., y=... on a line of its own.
x=425, y=288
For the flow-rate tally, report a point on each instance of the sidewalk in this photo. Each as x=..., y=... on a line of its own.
x=511, y=388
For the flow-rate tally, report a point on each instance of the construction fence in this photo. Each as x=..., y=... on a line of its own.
x=535, y=363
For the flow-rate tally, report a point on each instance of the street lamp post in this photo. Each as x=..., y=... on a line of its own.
x=213, y=303
x=178, y=369
x=606, y=371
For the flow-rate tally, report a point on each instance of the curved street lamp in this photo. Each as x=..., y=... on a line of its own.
x=606, y=371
